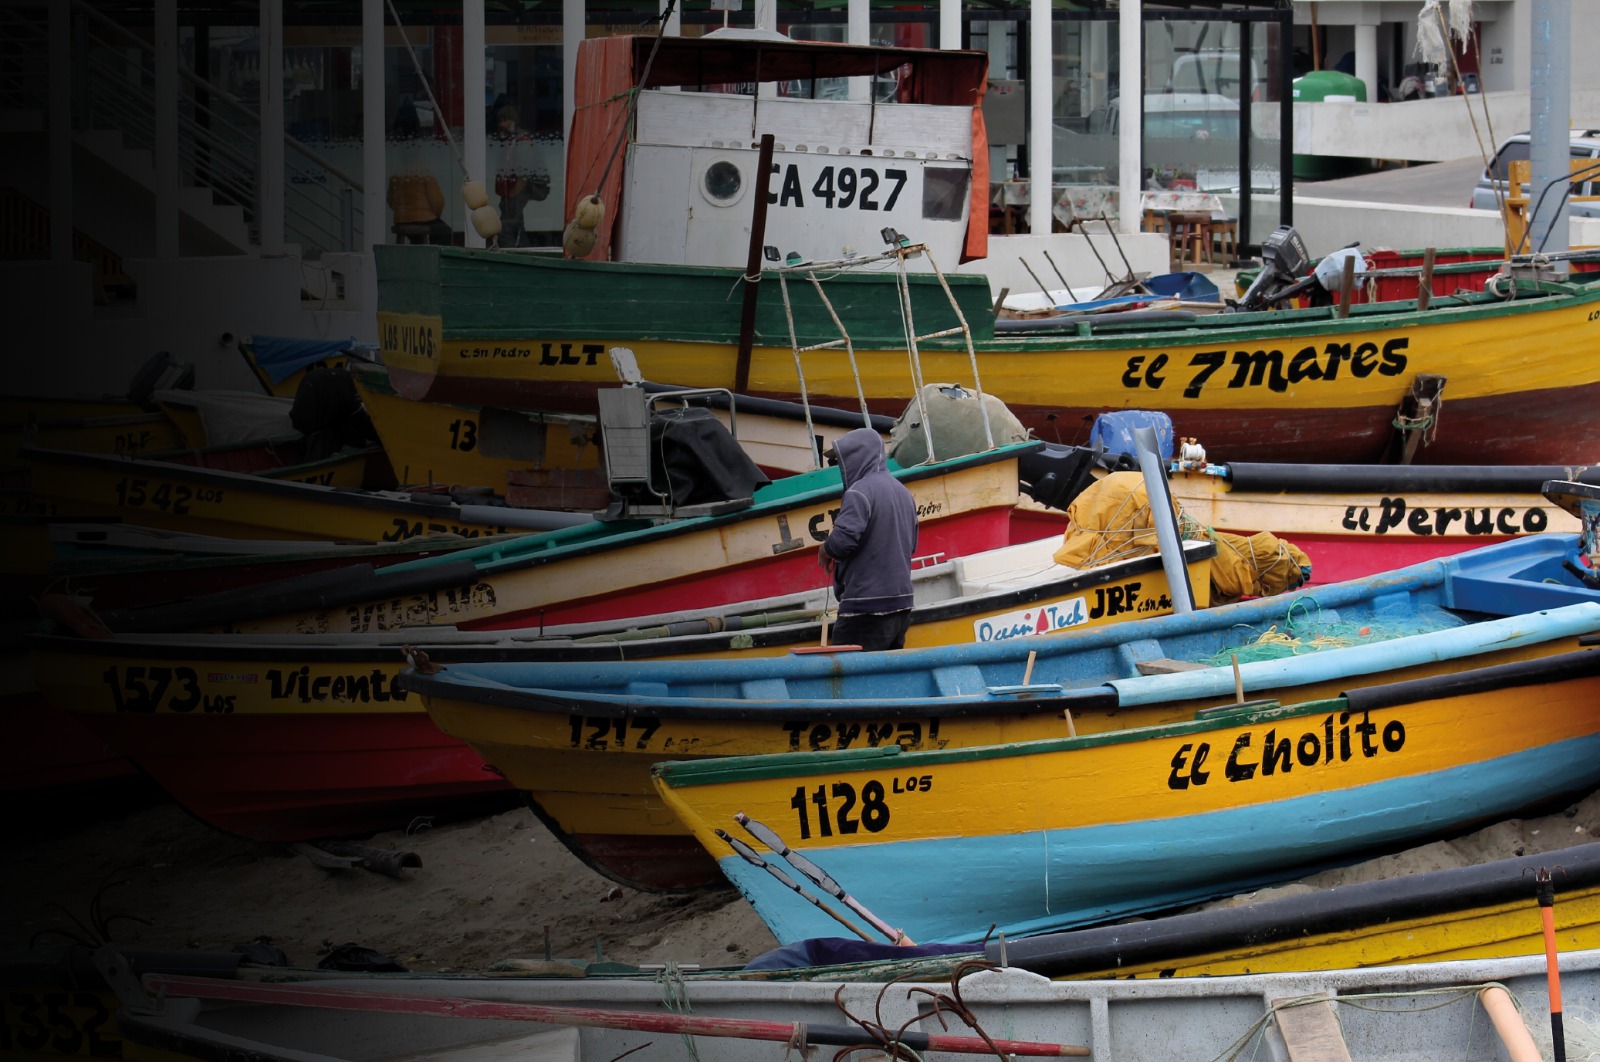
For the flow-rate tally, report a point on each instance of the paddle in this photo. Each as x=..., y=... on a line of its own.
x=822, y=878
x=749, y=855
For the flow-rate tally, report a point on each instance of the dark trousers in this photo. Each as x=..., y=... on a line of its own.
x=872, y=632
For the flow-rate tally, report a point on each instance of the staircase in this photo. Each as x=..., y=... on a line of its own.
x=113, y=104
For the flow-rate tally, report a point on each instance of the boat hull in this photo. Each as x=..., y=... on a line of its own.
x=1298, y=385
x=1032, y=838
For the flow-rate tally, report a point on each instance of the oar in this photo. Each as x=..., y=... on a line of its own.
x=821, y=877
x=176, y=985
x=749, y=855
x=1545, y=889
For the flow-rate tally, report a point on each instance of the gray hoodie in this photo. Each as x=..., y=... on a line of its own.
x=875, y=532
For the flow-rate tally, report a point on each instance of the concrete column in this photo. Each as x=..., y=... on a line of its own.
x=949, y=24
x=1130, y=120
x=1041, y=127
x=858, y=30
x=766, y=14
x=166, y=128
x=1550, y=104
x=474, y=131
x=374, y=129
x=60, y=124
x=1367, y=58
x=269, y=193
x=573, y=27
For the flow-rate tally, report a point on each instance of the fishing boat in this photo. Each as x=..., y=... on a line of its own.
x=272, y=736
x=1316, y=383
x=710, y=553
x=1482, y=911
x=1475, y=1010
x=1357, y=520
x=1027, y=837
x=218, y=501
x=580, y=739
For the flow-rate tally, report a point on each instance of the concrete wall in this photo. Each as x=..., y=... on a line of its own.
x=62, y=344
x=1418, y=130
x=1328, y=224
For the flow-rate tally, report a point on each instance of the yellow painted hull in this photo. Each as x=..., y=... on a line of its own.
x=174, y=497
x=592, y=780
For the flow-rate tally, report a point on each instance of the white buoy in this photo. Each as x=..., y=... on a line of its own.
x=475, y=195
x=486, y=220
x=590, y=212
x=577, y=241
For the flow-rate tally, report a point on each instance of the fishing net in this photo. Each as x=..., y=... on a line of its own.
x=1306, y=628
x=1112, y=521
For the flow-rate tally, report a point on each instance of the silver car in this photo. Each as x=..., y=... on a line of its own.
x=1585, y=144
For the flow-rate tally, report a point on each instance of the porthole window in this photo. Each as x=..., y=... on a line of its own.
x=723, y=182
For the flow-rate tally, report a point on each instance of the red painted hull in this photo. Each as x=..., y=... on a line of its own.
x=791, y=572
x=301, y=777
x=43, y=748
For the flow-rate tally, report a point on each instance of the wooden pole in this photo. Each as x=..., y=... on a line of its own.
x=752, y=269
x=1425, y=281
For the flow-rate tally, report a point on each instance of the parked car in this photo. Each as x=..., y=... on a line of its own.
x=1584, y=144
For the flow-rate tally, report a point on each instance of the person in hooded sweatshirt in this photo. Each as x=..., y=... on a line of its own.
x=868, y=551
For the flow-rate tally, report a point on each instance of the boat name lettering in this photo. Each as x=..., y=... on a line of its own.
x=598, y=733
x=298, y=685
x=131, y=442
x=819, y=737
x=64, y=1023
x=140, y=493
x=929, y=508
x=547, y=353
x=1341, y=742
x=247, y=678
x=818, y=526
x=1272, y=368
x=1040, y=620
x=419, y=339
x=404, y=529
x=418, y=610
x=840, y=809
x=137, y=688
x=839, y=187
x=1392, y=513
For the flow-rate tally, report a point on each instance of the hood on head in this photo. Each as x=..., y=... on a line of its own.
x=860, y=453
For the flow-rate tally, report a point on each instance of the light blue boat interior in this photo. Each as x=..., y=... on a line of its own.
x=1510, y=594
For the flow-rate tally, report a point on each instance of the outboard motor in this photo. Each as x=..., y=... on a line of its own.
x=1283, y=261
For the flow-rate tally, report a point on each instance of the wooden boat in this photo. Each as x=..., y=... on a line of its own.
x=1028, y=837
x=1385, y=1013
x=285, y=737
x=1393, y=275
x=608, y=569
x=1356, y=520
x=212, y=501
x=124, y=433
x=542, y=458
x=580, y=739
x=1321, y=384
x=1469, y=912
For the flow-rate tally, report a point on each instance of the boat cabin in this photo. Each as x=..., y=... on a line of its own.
x=909, y=155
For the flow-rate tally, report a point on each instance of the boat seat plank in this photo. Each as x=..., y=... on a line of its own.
x=766, y=689
x=1166, y=666
x=1310, y=1030
x=958, y=680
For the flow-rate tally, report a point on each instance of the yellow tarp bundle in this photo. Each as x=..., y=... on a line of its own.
x=1111, y=521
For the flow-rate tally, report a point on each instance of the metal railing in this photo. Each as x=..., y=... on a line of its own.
x=219, y=136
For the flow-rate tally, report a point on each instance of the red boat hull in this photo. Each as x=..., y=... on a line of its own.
x=305, y=776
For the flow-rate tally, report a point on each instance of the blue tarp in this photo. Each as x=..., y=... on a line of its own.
x=1188, y=286
x=1114, y=431
x=280, y=357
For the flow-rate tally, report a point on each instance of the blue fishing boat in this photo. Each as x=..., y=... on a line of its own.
x=580, y=738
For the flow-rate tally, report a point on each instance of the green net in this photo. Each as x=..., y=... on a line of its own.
x=1306, y=628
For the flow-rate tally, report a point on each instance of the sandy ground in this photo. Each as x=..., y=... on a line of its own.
x=488, y=890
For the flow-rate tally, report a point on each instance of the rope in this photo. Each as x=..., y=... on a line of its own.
x=675, y=997
x=438, y=112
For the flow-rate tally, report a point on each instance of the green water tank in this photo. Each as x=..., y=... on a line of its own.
x=1322, y=86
